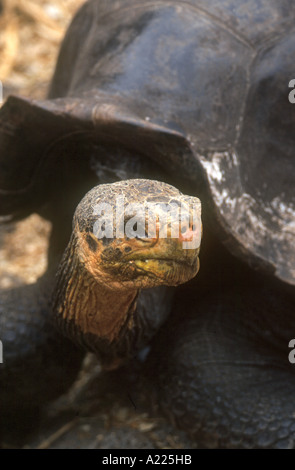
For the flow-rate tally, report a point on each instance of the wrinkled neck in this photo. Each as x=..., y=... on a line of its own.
x=84, y=304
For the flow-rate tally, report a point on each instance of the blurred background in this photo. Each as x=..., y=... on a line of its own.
x=30, y=35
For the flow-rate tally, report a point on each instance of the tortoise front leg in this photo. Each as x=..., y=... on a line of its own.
x=225, y=375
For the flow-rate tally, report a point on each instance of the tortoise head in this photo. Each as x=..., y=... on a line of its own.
x=138, y=233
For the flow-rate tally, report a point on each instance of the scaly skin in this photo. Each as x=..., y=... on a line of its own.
x=95, y=300
x=39, y=364
x=225, y=378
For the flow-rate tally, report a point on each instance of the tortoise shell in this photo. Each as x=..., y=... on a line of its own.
x=201, y=87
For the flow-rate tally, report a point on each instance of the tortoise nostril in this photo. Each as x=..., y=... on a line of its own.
x=118, y=252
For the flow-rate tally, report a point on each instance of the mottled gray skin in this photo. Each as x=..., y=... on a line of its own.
x=225, y=377
x=24, y=330
x=39, y=364
x=201, y=88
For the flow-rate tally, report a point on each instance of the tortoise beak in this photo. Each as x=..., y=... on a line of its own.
x=168, y=260
x=171, y=256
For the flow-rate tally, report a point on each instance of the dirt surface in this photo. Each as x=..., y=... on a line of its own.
x=104, y=411
x=30, y=34
x=23, y=251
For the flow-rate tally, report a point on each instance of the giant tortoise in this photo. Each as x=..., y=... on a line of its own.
x=195, y=95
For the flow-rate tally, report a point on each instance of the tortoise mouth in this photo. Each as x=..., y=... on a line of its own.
x=148, y=270
x=171, y=270
x=165, y=254
x=161, y=261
